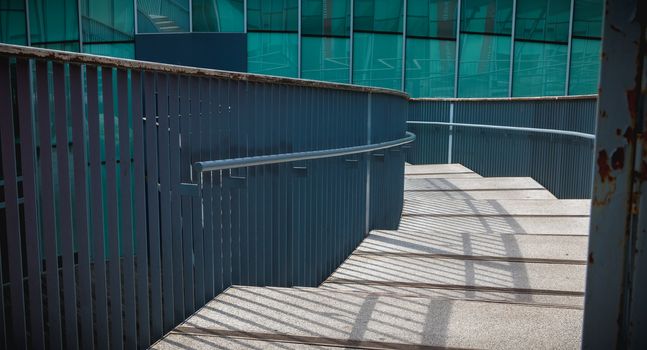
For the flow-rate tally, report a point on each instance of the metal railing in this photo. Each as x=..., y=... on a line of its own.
x=106, y=247
x=511, y=128
x=134, y=192
x=223, y=164
x=550, y=139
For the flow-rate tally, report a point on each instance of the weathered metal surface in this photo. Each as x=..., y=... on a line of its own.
x=615, y=294
x=118, y=237
x=65, y=56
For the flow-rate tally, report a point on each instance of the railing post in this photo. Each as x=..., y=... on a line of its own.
x=368, y=165
x=451, y=133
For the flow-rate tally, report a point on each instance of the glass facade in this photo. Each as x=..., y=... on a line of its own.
x=325, y=40
x=108, y=27
x=428, y=48
x=218, y=15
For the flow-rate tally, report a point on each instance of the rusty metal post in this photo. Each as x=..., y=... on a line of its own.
x=616, y=287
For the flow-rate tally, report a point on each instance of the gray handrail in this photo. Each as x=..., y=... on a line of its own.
x=221, y=164
x=513, y=128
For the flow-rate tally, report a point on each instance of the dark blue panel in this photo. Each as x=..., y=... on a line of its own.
x=224, y=51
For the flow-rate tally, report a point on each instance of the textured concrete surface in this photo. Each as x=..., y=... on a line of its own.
x=538, y=207
x=480, y=194
x=483, y=184
x=476, y=244
x=437, y=169
x=444, y=176
x=319, y=315
x=504, y=224
x=484, y=263
x=548, y=278
x=572, y=301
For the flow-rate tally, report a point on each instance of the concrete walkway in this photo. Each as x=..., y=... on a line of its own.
x=487, y=263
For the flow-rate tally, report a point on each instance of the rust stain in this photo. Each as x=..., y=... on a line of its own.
x=642, y=176
x=632, y=100
x=618, y=158
x=629, y=135
x=591, y=260
x=603, y=166
x=603, y=114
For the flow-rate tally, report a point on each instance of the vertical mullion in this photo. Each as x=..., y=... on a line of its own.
x=165, y=202
x=48, y=210
x=176, y=205
x=65, y=208
x=299, y=38
x=96, y=200
x=404, y=45
x=458, y=46
x=512, y=35
x=126, y=229
x=141, y=231
x=116, y=321
x=32, y=238
x=244, y=16
x=568, y=52
x=351, y=43
x=12, y=210
x=155, y=287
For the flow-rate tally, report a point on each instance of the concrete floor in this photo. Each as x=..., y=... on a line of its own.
x=487, y=263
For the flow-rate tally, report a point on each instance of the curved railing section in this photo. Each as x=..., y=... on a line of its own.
x=110, y=240
x=223, y=164
x=550, y=139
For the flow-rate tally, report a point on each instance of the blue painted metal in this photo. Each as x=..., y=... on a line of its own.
x=509, y=140
x=234, y=163
x=139, y=250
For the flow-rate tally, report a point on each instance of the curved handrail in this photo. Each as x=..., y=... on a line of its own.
x=222, y=164
x=513, y=128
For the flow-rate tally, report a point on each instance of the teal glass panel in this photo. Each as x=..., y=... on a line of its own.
x=487, y=16
x=162, y=16
x=13, y=25
x=325, y=58
x=378, y=16
x=377, y=60
x=587, y=18
x=585, y=66
x=65, y=46
x=218, y=16
x=121, y=50
x=105, y=21
x=272, y=54
x=543, y=20
x=431, y=18
x=539, y=69
x=272, y=15
x=53, y=21
x=484, y=66
x=430, y=67
x=325, y=18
